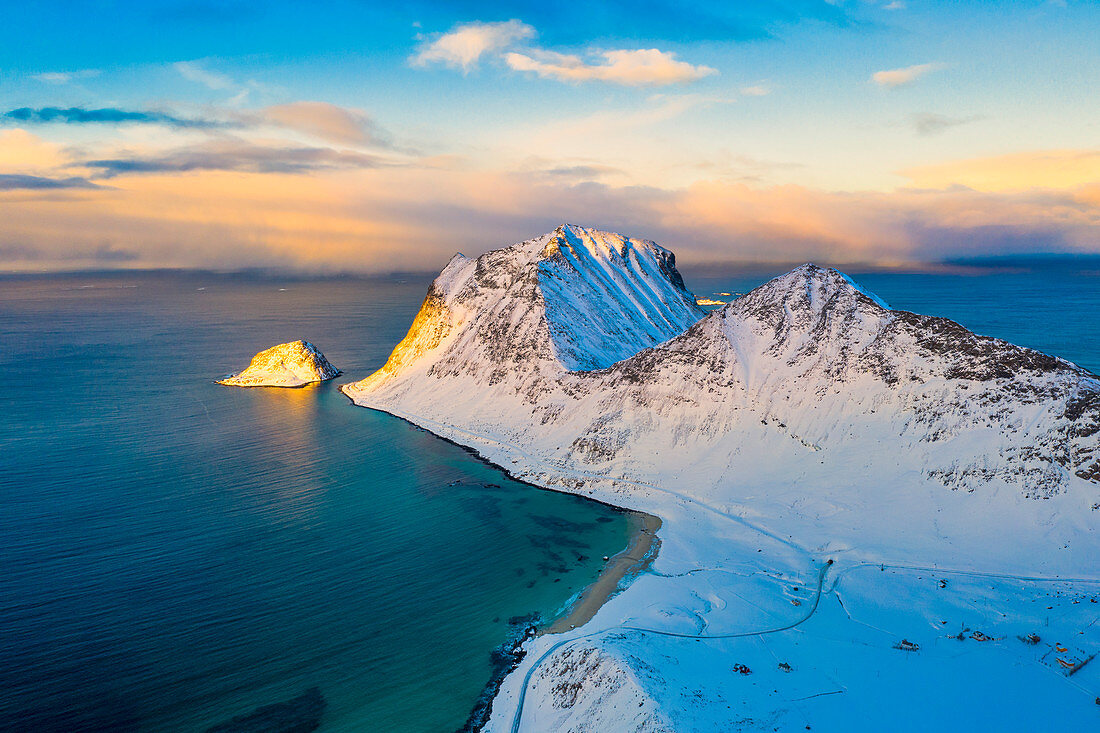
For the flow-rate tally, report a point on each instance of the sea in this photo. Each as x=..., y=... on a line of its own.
x=176, y=555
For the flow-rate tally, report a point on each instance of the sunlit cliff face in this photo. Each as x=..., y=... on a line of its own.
x=430, y=327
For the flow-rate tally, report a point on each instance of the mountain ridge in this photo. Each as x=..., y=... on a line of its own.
x=809, y=368
x=800, y=425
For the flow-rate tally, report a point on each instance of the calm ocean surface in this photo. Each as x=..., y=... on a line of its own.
x=175, y=553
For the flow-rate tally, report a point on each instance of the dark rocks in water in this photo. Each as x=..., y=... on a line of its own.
x=558, y=541
x=503, y=660
x=301, y=714
x=558, y=523
x=541, y=541
x=484, y=508
x=524, y=622
x=547, y=568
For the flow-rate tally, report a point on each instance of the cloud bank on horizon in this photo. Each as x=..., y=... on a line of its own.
x=347, y=138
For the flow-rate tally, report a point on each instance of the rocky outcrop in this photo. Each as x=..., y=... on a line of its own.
x=293, y=364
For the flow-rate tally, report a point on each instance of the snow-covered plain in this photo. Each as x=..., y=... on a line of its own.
x=293, y=364
x=952, y=480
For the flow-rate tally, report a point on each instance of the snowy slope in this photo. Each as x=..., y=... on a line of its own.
x=573, y=299
x=606, y=297
x=804, y=421
x=292, y=364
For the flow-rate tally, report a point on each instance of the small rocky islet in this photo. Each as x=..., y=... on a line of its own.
x=293, y=364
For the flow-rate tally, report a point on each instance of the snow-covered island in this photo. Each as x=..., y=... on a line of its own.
x=293, y=364
x=872, y=519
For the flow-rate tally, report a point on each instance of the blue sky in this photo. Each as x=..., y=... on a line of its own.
x=853, y=130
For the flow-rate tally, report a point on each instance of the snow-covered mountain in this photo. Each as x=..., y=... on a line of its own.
x=584, y=349
x=292, y=364
x=573, y=299
x=806, y=418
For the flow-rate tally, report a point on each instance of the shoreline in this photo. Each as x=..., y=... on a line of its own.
x=632, y=560
x=503, y=469
x=627, y=564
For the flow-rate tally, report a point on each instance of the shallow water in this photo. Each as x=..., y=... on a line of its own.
x=176, y=553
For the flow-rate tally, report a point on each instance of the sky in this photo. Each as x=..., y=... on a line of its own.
x=378, y=137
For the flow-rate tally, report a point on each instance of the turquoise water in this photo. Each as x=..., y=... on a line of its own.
x=176, y=553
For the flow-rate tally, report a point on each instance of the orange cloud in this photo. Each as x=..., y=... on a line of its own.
x=325, y=121
x=23, y=152
x=891, y=78
x=414, y=217
x=638, y=67
x=1015, y=172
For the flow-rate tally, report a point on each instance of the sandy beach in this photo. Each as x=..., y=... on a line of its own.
x=638, y=554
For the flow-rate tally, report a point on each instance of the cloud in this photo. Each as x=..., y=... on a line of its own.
x=464, y=45
x=893, y=78
x=106, y=115
x=404, y=218
x=541, y=168
x=756, y=90
x=640, y=67
x=717, y=221
x=618, y=122
x=327, y=122
x=926, y=124
x=741, y=167
x=24, y=152
x=321, y=120
x=64, y=77
x=233, y=155
x=1052, y=169
x=580, y=171
x=194, y=71
x=18, y=253
x=21, y=182
x=104, y=254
